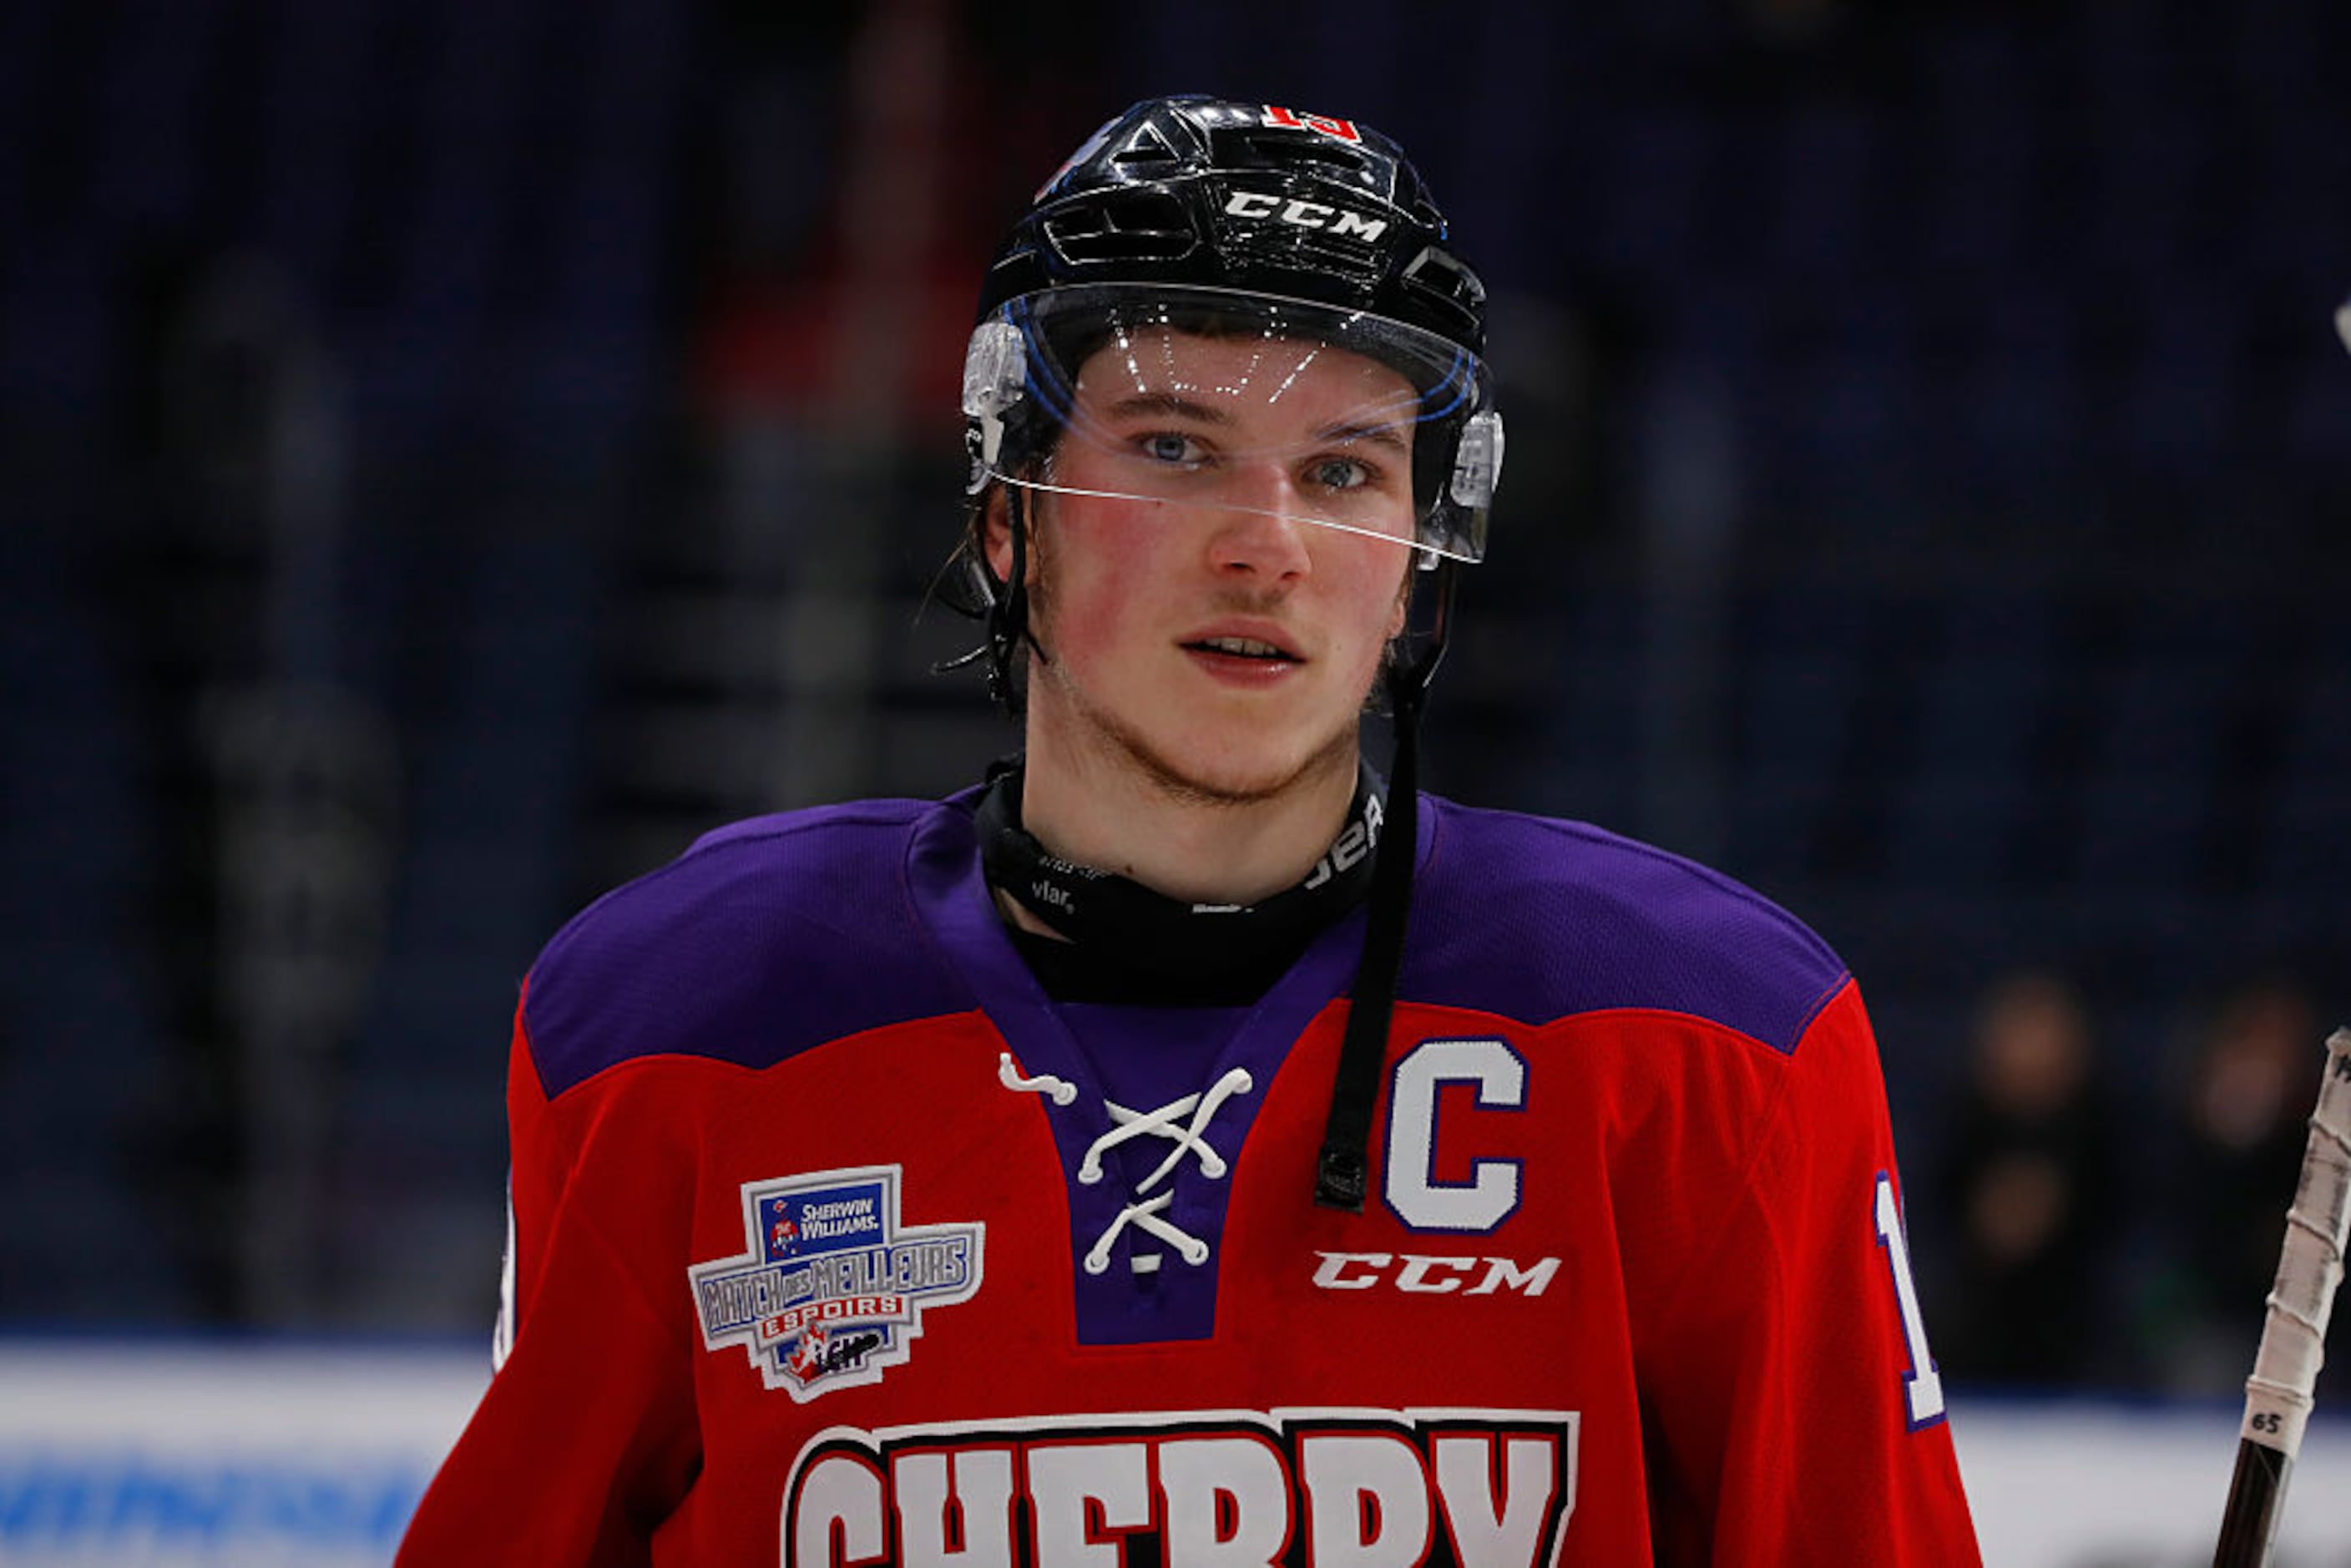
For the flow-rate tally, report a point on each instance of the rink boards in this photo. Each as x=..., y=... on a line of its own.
x=172, y=1453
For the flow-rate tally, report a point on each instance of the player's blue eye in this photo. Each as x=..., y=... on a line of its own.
x=1170, y=446
x=1339, y=474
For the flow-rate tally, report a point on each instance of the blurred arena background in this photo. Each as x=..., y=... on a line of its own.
x=452, y=452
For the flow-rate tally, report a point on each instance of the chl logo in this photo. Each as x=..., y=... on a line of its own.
x=833, y=1287
x=1445, y=1489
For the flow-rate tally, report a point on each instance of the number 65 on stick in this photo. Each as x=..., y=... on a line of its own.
x=2279, y=1395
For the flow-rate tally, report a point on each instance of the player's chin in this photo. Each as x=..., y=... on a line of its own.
x=1261, y=763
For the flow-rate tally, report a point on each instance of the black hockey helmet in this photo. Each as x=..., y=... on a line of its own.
x=1231, y=219
x=1219, y=194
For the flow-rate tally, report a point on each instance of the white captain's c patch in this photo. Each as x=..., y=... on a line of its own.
x=833, y=1287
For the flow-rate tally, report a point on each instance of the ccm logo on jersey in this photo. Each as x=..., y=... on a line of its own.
x=1422, y=1275
x=1493, y=1489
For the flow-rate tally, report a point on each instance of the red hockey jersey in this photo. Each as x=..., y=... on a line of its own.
x=838, y=1241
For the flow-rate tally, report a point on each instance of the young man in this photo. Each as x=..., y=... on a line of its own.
x=1173, y=1150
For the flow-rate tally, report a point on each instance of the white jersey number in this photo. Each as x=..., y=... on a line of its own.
x=1921, y=1386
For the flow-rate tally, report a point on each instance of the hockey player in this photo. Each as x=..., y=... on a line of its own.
x=1178, y=1148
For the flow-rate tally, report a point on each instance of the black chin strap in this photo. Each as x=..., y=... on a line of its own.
x=1343, y=1174
x=1006, y=614
x=1008, y=620
x=1115, y=923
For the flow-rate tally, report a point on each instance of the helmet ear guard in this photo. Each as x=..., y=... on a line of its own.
x=995, y=379
x=1476, y=471
x=1477, y=462
x=995, y=388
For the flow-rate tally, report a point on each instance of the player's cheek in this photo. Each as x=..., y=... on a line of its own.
x=1093, y=612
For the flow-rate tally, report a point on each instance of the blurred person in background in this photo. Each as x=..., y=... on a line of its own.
x=1097, y=1155
x=2243, y=1126
x=2026, y=1191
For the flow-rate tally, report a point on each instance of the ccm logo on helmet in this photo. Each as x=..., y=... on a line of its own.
x=1305, y=215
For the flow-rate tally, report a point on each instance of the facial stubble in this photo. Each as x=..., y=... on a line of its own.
x=1130, y=748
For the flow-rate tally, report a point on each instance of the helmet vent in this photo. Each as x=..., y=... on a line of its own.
x=1441, y=279
x=1134, y=225
x=1147, y=148
x=1300, y=152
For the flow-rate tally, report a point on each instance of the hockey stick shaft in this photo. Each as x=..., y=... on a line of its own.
x=2280, y=1392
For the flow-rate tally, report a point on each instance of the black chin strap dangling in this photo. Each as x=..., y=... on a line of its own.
x=1008, y=617
x=1343, y=1174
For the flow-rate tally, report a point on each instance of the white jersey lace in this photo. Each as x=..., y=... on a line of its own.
x=1184, y=1122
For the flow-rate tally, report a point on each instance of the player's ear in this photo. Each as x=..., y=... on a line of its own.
x=996, y=533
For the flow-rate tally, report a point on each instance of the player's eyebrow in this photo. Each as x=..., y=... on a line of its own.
x=1384, y=434
x=1169, y=404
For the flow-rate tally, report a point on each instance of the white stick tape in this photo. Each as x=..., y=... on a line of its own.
x=2278, y=1396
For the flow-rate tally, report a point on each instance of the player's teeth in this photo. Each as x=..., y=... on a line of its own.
x=1244, y=645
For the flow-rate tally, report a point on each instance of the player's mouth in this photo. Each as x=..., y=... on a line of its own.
x=1245, y=657
x=1244, y=648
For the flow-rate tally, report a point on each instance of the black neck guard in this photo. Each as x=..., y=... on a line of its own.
x=1126, y=942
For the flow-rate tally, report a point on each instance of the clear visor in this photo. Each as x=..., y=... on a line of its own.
x=1236, y=402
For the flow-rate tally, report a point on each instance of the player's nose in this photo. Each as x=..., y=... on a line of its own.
x=1260, y=530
